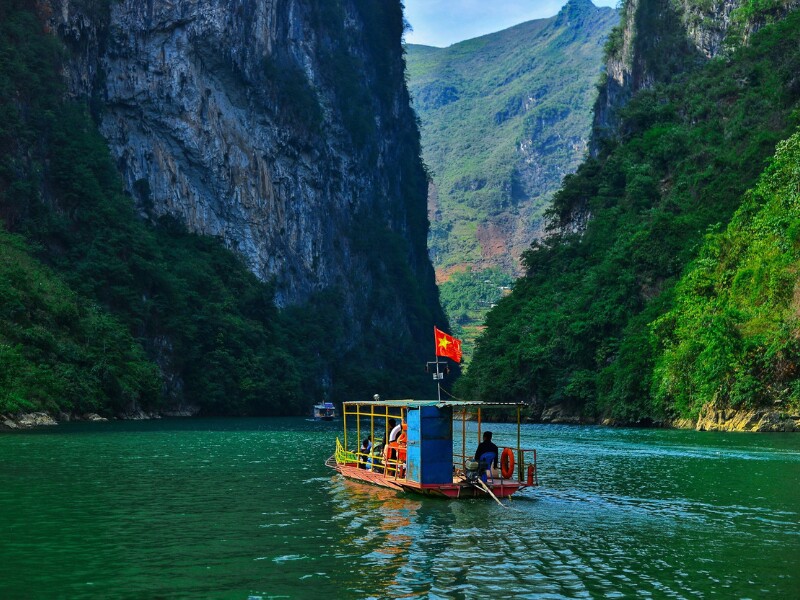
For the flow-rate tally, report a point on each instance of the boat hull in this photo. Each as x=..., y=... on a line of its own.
x=459, y=488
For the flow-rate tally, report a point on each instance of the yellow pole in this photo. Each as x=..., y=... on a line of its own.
x=464, y=435
x=372, y=430
x=344, y=421
x=519, y=448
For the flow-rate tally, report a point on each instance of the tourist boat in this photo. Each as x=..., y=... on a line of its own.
x=432, y=456
x=324, y=411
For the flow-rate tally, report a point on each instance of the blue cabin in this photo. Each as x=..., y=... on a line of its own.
x=430, y=444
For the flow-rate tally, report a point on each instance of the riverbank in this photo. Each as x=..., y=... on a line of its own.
x=23, y=421
x=710, y=419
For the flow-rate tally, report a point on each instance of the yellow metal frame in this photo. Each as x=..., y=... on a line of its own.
x=374, y=411
x=521, y=465
x=344, y=455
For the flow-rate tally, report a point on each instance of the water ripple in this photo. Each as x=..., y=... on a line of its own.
x=245, y=508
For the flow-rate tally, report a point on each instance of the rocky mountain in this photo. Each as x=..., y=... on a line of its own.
x=273, y=125
x=504, y=117
x=281, y=129
x=689, y=32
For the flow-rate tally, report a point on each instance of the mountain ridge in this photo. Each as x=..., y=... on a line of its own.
x=484, y=105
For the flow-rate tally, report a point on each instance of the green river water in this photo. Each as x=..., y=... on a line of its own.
x=245, y=508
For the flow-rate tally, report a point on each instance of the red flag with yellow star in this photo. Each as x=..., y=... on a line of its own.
x=447, y=345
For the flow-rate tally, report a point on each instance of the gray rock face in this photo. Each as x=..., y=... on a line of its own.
x=194, y=103
x=94, y=417
x=36, y=419
x=561, y=415
x=180, y=117
x=7, y=424
x=763, y=420
x=282, y=127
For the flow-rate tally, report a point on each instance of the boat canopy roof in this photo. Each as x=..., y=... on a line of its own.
x=436, y=403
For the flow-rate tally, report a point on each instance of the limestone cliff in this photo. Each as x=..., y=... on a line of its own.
x=658, y=39
x=281, y=126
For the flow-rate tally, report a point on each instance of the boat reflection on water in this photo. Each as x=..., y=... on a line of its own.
x=409, y=546
x=378, y=525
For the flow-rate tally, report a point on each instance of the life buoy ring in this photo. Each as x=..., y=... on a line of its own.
x=507, y=463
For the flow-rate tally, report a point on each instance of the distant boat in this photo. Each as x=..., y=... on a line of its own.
x=324, y=411
x=425, y=458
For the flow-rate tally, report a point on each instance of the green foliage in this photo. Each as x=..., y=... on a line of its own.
x=732, y=335
x=503, y=117
x=751, y=13
x=128, y=308
x=661, y=46
x=467, y=297
x=58, y=351
x=613, y=45
x=577, y=327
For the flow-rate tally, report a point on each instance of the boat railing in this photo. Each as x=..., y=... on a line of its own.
x=391, y=467
x=343, y=455
x=525, y=465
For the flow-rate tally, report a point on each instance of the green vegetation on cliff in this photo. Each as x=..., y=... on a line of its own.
x=733, y=335
x=101, y=298
x=504, y=117
x=59, y=351
x=467, y=297
x=586, y=326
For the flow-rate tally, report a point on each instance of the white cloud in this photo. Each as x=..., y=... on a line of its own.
x=445, y=22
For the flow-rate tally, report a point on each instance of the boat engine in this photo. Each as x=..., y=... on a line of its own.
x=472, y=471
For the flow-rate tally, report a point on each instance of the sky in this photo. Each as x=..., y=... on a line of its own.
x=444, y=22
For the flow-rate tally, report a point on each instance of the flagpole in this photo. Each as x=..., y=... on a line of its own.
x=436, y=354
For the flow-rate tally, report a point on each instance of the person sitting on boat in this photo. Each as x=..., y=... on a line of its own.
x=486, y=455
x=366, y=447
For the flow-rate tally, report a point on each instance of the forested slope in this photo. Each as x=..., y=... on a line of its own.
x=586, y=326
x=733, y=333
x=504, y=117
